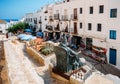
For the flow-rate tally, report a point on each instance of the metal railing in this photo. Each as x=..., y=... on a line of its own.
x=56, y=16
x=50, y=18
x=64, y=18
x=74, y=17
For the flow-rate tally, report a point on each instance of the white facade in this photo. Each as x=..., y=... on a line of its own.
x=29, y=19
x=113, y=24
x=99, y=38
x=3, y=26
x=44, y=17
x=101, y=22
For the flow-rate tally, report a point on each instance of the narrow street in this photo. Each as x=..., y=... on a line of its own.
x=24, y=70
x=20, y=68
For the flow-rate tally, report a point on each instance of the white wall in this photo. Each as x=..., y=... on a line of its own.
x=113, y=24
x=99, y=38
x=3, y=28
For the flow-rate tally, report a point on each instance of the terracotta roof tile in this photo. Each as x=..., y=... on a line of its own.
x=2, y=22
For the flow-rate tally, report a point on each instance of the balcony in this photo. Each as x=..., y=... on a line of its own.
x=66, y=30
x=49, y=27
x=46, y=11
x=35, y=21
x=40, y=22
x=56, y=16
x=40, y=29
x=74, y=17
x=50, y=18
x=74, y=31
x=57, y=28
x=64, y=18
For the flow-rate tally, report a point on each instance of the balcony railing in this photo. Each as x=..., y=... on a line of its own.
x=74, y=17
x=57, y=28
x=50, y=18
x=64, y=18
x=66, y=29
x=40, y=22
x=49, y=27
x=56, y=16
x=35, y=21
x=46, y=11
x=73, y=31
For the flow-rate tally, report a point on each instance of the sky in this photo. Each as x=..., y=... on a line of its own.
x=16, y=9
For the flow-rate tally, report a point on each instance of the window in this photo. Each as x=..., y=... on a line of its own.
x=89, y=26
x=45, y=17
x=112, y=34
x=67, y=0
x=113, y=13
x=81, y=25
x=101, y=9
x=99, y=27
x=91, y=10
x=26, y=19
x=80, y=10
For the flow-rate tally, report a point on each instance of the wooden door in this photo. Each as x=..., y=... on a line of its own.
x=75, y=27
x=112, y=56
x=75, y=13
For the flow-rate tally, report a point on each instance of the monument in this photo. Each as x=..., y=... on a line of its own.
x=67, y=59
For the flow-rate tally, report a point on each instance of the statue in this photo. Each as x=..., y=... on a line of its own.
x=67, y=59
x=64, y=39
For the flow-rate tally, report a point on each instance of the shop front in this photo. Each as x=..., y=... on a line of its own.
x=89, y=43
x=76, y=42
x=57, y=35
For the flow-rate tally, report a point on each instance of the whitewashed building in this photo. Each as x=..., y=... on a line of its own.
x=29, y=19
x=95, y=23
x=3, y=26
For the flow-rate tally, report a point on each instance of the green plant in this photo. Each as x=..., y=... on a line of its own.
x=18, y=26
x=32, y=43
x=47, y=49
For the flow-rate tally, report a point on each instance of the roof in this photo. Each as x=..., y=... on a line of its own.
x=2, y=22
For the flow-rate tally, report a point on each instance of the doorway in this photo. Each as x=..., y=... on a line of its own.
x=75, y=27
x=50, y=35
x=75, y=13
x=112, y=56
x=89, y=43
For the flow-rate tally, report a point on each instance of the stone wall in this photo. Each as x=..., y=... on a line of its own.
x=59, y=79
x=35, y=55
x=3, y=66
